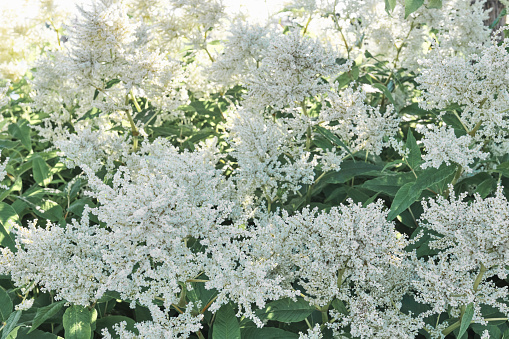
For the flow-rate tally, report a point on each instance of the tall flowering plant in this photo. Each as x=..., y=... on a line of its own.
x=180, y=169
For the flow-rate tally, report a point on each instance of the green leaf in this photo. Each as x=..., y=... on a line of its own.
x=13, y=334
x=267, y=333
x=110, y=321
x=286, y=310
x=339, y=306
x=49, y=210
x=45, y=313
x=111, y=83
x=11, y=323
x=390, y=5
x=226, y=325
x=76, y=322
x=432, y=176
x=5, y=305
x=435, y=4
x=27, y=333
x=386, y=92
x=332, y=138
x=404, y=198
x=486, y=187
x=389, y=183
x=466, y=319
x=414, y=156
x=7, y=216
x=21, y=131
x=409, y=192
x=411, y=6
x=78, y=206
x=40, y=171
x=502, y=14
x=350, y=169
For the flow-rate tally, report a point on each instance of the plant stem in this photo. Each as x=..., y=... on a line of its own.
x=134, y=130
x=457, y=324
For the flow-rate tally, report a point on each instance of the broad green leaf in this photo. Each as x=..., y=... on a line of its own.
x=267, y=333
x=414, y=156
x=405, y=197
x=435, y=4
x=27, y=333
x=49, y=209
x=7, y=216
x=411, y=6
x=493, y=329
x=486, y=187
x=389, y=183
x=503, y=168
x=78, y=206
x=390, y=5
x=357, y=194
x=432, y=176
x=40, y=171
x=93, y=319
x=386, y=92
x=13, y=334
x=226, y=325
x=45, y=313
x=10, y=324
x=5, y=305
x=16, y=187
x=21, y=132
x=466, y=319
x=110, y=321
x=350, y=169
x=76, y=322
x=409, y=192
x=333, y=138
x=286, y=310
x=339, y=306
x=142, y=314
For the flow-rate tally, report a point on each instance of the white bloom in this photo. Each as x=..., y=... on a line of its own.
x=293, y=68
x=443, y=146
x=313, y=333
x=357, y=124
x=24, y=305
x=271, y=154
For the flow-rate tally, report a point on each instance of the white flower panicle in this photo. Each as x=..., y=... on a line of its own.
x=4, y=99
x=242, y=53
x=443, y=146
x=473, y=239
x=292, y=69
x=349, y=244
x=172, y=328
x=358, y=125
x=271, y=154
x=106, y=60
x=477, y=82
x=73, y=268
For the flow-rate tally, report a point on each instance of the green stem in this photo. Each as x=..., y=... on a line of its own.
x=479, y=277
x=134, y=130
x=475, y=129
x=457, y=324
x=307, y=25
x=135, y=102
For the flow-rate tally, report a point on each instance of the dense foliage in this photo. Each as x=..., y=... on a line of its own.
x=178, y=168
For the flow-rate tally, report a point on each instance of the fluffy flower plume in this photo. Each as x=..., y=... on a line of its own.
x=292, y=69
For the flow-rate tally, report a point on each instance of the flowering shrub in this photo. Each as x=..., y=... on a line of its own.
x=175, y=169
